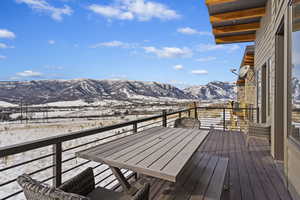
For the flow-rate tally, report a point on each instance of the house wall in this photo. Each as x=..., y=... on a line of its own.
x=246, y=91
x=265, y=55
x=278, y=12
x=250, y=88
x=241, y=93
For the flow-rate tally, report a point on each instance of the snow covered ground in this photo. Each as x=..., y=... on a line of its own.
x=16, y=132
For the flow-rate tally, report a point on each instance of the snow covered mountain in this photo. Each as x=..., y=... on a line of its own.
x=89, y=90
x=296, y=90
x=213, y=91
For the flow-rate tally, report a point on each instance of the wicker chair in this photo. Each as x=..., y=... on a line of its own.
x=258, y=131
x=185, y=122
x=80, y=187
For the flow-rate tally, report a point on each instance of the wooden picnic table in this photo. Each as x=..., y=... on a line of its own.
x=157, y=152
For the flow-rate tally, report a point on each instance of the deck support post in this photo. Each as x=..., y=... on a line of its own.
x=57, y=161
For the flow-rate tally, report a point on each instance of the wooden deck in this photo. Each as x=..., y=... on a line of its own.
x=252, y=174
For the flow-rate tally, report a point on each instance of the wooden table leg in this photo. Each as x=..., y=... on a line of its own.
x=123, y=181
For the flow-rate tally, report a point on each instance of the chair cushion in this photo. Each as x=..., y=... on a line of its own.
x=35, y=190
x=99, y=192
x=81, y=184
x=103, y=193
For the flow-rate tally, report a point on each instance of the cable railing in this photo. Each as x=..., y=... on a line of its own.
x=52, y=160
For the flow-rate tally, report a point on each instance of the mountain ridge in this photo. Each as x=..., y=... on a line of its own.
x=90, y=90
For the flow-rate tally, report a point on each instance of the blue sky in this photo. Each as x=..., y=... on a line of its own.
x=150, y=40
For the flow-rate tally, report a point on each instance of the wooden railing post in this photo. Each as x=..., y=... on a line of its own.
x=189, y=113
x=57, y=161
x=179, y=114
x=164, y=118
x=195, y=110
x=257, y=115
x=135, y=128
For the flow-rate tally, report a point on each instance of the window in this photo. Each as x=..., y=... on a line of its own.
x=295, y=53
x=258, y=83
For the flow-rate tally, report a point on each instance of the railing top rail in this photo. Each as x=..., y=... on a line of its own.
x=213, y=108
x=27, y=146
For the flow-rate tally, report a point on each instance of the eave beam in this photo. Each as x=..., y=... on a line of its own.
x=236, y=28
x=238, y=15
x=237, y=38
x=215, y=2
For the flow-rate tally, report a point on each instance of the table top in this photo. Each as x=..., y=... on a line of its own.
x=158, y=152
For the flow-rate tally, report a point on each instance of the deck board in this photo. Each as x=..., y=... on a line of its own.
x=252, y=174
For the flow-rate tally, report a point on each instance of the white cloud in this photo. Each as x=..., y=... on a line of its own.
x=178, y=67
x=169, y=52
x=190, y=31
x=141, y=10
x=5, y=46
x=44, y=6
x=114, y=43
x=2, y=57
x=206, y=59
x=111, y=12
x=29, y=74
x=200, y=72
x=214, y=47
x=4, y=33
x=51, y=41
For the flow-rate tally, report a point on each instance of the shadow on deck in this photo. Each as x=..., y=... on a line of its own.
x=252, y=173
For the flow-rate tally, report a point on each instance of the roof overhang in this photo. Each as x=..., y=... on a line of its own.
x=248, y=58
x=235, y=20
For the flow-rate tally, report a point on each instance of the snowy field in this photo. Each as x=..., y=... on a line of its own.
x=15, y=132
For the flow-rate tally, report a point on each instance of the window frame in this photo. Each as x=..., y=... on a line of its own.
x=291, y=129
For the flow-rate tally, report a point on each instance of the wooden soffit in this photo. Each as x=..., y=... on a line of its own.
x=235, y=20
x=238, y=15
x=235, y=38
x=248, y=58
x=215, y=2
x=236, y=28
